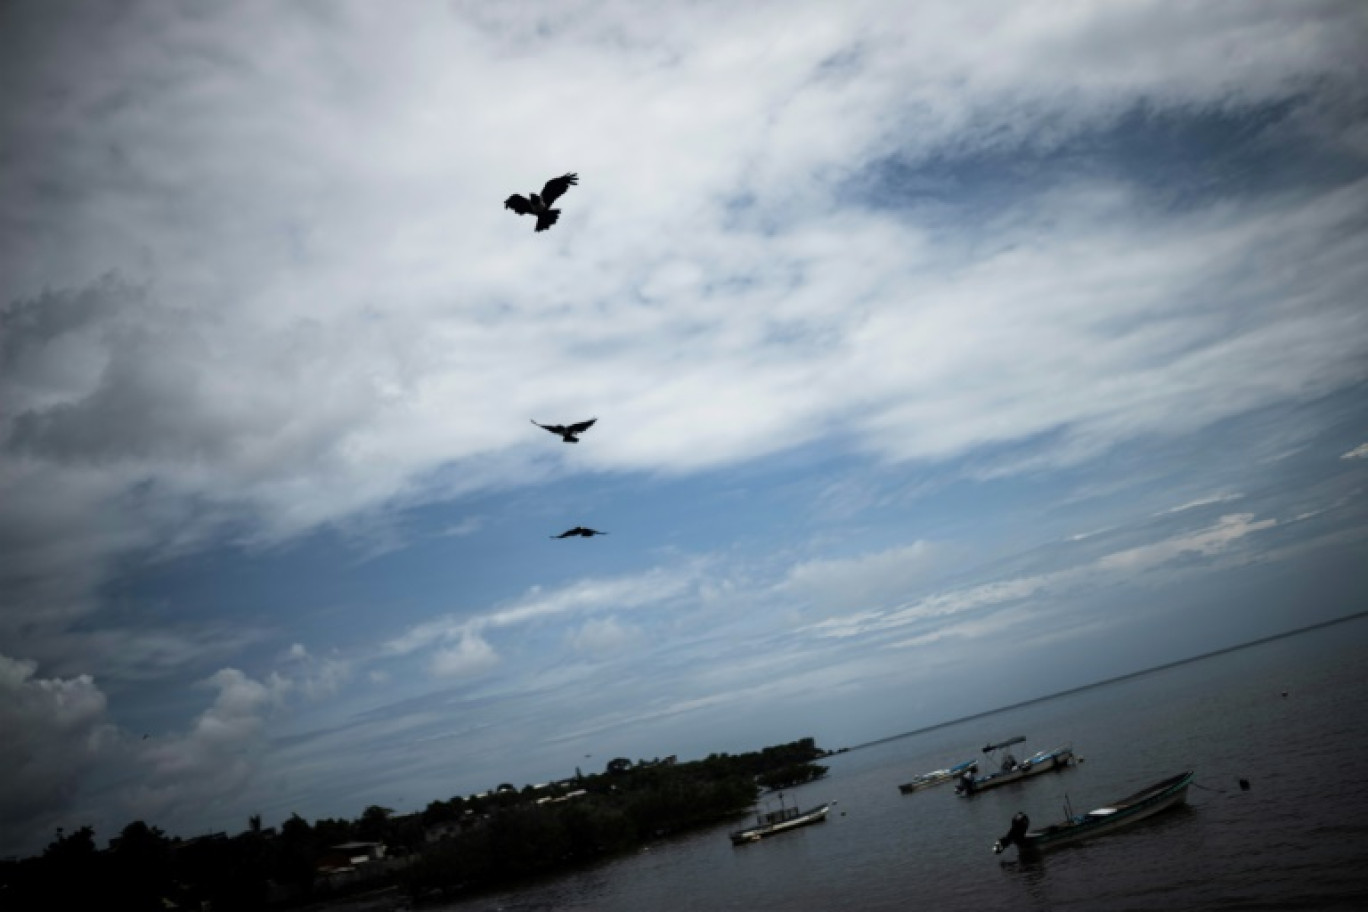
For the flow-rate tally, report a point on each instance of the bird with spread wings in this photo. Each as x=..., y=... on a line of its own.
x=568, y=433
x=580, y=531
x=540, y=206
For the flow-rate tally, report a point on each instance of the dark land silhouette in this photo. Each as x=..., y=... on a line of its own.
x=451, y=848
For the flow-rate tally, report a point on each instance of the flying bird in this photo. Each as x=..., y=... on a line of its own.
x=540, y=206
x=568, y=433
x=579, y=530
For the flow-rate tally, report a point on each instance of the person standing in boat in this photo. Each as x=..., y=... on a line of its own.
x=1020, y=824
x=1009, y=763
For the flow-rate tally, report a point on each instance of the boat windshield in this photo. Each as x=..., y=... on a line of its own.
x=779, y=816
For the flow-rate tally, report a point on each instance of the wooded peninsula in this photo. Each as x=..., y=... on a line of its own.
x=454, y=847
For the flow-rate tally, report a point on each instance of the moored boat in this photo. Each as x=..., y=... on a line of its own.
x=938, y=777
x=768, y=823
x=1152, y=799
x=1013, y=771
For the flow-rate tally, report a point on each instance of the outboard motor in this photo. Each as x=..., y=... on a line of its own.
x=1020, y=824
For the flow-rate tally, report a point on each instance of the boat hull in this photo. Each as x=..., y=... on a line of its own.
x=1162, y=796
x=939, y=777
x=756, y=833
x=1043, y=762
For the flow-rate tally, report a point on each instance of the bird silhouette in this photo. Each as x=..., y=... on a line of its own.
x=568, y=433
x=581, y=531
x=540, y=206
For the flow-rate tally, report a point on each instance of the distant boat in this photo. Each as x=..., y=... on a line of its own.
x=939, y=777
x=1150, y=800
x=1013, y=771
x=769, y=823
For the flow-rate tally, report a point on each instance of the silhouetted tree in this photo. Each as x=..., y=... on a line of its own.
x=69, y=873
x=297, y=852
x=374, y=824
x=438, y=812
x=139, y=866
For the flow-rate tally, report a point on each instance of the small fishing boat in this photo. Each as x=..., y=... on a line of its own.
x=1011, y=770
x=768, y=823
x=1150, y=800
x=939, y=777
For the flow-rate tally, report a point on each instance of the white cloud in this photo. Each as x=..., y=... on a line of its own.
x=947, y=604
x=137, y=653
x=58, y=733
x=604, y=636
x=989, y=626
x=648, y=588
x=637, y=590
x=1201, y=502
x=234, y=720
x=866, y=580
x=471, y=656
x=186, y=779
x=56, y=729
x=468, y=526
x=1126, y=565
x=1205, y=542
x=1358, y=452
x=315, y=676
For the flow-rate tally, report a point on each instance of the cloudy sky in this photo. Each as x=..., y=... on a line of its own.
x=943, y=355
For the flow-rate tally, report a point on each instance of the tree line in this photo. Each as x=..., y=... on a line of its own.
x=464, y=843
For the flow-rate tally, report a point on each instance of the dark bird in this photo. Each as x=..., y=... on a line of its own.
x=569, y=433
x=579, y=530
x=540, y=206
x=1244, y=785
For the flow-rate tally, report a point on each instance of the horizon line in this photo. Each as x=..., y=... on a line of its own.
x=1122, y=677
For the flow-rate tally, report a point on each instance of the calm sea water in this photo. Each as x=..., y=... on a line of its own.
x=1297, y=839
